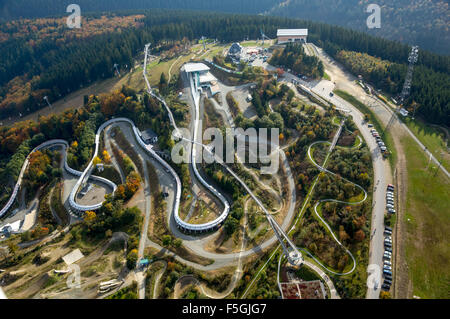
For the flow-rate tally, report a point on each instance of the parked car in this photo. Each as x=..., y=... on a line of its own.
x=387, y=272
x=388, y=277
x=370, y=125
x=387, y=282
x=387, y=228
x=389, y=249
x=388, y=245
x=391, y=211
x=387, y=263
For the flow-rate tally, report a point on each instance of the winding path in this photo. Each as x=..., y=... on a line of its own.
x=323, y=169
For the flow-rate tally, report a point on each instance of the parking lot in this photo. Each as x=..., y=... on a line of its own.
x=387, y=256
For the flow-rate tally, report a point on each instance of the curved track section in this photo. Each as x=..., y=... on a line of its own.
x=72, y=171
x=323, y=169
x=213, y=225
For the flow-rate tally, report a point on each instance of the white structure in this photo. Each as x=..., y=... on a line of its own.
x=203, y=79
x=403, y=112
x=292, y=35
x=12, y=228
x=2, y=294
x=73, y=257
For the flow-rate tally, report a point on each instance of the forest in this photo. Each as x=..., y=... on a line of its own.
x=55, y=69
x=295, y=58
x=411, y=21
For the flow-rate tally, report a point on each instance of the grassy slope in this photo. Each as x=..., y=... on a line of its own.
x=431, y=137
x=427, y=209
x=427, y=217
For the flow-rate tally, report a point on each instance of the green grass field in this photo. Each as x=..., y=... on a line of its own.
x=432, y=138
x=428, y=225
x=214, y=50
x=155, y=68
x=253, y=43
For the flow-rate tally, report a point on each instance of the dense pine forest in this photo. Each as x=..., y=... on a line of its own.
x=420, y=22
x=55, y=68
x=42, y=8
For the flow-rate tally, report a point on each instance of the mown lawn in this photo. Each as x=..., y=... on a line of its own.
x=427, y=221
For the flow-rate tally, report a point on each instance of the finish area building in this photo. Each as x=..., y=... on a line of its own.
x=203, y=79
x=292, y=35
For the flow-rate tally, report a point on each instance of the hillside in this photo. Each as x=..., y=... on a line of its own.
x=42, y=58
x=422, y=22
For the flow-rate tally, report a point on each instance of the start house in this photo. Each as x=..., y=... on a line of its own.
x=203, y=79
x=292, y=35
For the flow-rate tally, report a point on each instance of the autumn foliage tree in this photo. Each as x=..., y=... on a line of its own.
x=110, y=103
x=89, y=216
x=106, y=157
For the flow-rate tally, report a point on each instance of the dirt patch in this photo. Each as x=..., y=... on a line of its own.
x=402, y=283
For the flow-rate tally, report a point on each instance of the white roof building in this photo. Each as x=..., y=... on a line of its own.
x=195, y=67
x=207, y=77
x=202, y=78
x=13, y=227
x=292, y=32
x=73, y=256
x=292, y=35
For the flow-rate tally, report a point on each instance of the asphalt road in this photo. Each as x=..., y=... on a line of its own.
x=382, y=177
x=381, y=172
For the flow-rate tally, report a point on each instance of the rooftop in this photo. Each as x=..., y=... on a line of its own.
x=208, y=77
x=148, y=134
x=195, y=67
x=73, y=257
x=292, y=32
